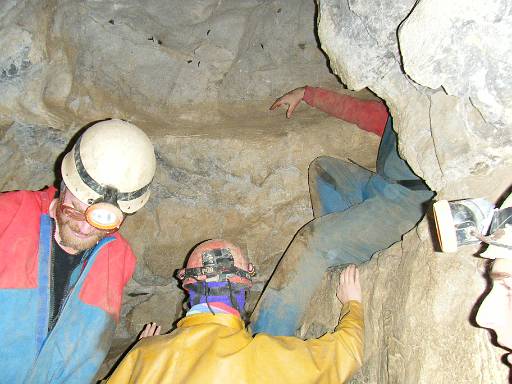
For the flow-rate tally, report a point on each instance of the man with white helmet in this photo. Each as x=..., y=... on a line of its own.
x=63, y=266
x=211, y=344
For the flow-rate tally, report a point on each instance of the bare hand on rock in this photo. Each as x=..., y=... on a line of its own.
x=349, y=287
x=290, y=99
x=150, y=329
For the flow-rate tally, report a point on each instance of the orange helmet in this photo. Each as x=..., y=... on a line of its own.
x=217, y=260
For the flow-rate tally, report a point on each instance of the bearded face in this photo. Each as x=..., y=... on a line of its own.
x=73, y=231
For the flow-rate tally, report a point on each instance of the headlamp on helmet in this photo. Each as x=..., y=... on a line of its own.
x=104, y=213
x=471, y=221
x=217, y=261
x=113, y=162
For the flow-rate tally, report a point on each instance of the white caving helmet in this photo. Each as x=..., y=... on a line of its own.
x=111, y=165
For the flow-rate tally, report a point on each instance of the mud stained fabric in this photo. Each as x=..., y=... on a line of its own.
x=357, y=213
x=74, y=350
x=217, y=349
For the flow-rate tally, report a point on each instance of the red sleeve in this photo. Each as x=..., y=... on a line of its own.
x=369, y=115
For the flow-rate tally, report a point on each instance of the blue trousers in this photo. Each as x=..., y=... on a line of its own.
x=357, y=213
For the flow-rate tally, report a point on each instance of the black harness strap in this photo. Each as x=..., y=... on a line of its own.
x=204, y=289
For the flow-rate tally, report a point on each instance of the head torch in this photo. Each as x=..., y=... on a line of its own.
x=104, y=213
x=471, y=221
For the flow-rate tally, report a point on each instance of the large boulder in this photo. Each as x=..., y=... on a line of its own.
x=443, y=68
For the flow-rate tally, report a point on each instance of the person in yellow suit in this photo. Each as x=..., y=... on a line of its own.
x=211, y=344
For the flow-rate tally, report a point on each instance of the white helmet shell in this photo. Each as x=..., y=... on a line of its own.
x=116, y=154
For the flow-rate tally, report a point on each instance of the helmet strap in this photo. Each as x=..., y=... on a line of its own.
x=234, y=302
x=101, y=189
x=206, y=297
x=231, y=294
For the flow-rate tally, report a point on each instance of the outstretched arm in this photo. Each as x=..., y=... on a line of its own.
x=369, y=115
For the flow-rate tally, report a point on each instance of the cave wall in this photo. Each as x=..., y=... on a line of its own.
x=198, y=77
x=443, y=69
x=69, y=62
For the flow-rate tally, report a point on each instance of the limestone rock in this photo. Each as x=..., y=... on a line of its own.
x=443, y=70
x=241, y=180
x=419, y=316
x=162, y=307
x=70, y=61
x=360, y=38
x=467, y=51
x=28, y=154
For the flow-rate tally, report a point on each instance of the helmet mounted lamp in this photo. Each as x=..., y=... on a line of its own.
x=104, y=212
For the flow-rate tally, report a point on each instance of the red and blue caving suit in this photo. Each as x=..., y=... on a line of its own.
x=78, y=343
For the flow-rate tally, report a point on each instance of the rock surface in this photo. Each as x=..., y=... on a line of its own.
x=444, y=71
x=198, y=76
x=452, y=105
x=68, y=61
x=419, y=316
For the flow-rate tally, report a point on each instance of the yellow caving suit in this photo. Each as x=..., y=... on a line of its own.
x=211, y=349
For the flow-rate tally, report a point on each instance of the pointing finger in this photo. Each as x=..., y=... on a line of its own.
x=276, y=104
